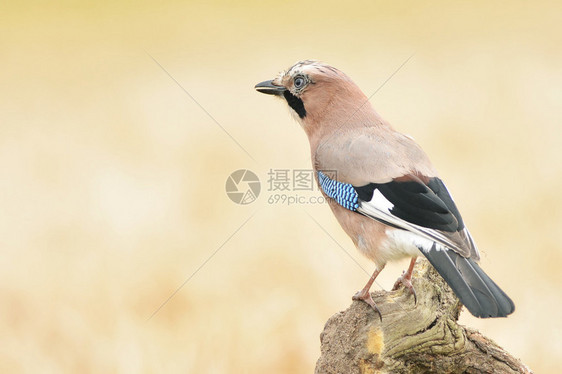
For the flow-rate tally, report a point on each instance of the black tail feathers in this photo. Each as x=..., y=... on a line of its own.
x=480, y=294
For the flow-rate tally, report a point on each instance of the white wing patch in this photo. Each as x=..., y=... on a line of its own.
x=381, y=202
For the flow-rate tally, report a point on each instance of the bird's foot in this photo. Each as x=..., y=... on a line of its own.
x=366, y=297
x=406, y=282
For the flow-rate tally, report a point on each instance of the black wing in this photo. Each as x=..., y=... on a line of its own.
x=424, y=208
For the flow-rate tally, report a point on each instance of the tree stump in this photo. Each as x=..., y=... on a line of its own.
x=411, y=338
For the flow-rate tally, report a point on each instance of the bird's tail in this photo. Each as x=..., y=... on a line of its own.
x=480, y=294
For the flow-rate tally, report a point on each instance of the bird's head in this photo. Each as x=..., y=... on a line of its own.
x=318, y=94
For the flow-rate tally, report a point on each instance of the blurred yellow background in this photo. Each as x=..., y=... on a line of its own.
x=112, y=178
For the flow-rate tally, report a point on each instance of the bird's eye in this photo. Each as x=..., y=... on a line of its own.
x=299, y=82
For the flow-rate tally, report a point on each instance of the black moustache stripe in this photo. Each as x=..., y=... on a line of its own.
x=295, y=103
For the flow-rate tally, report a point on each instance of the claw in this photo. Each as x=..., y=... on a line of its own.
x=406, y=280
x=366, y=297
x=408, y=284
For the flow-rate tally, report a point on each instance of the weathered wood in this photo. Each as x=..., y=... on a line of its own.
x=411, y=338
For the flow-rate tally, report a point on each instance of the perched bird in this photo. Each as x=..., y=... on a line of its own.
x=382, y=188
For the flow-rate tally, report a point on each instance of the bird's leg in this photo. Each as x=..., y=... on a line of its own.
x=406, y=280
x=365, y=295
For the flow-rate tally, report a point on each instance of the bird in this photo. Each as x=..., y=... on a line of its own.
x=382, y=188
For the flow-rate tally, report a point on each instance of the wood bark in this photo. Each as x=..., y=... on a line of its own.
x=412, y=338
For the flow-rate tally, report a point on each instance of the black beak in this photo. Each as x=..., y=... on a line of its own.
x=267, y=87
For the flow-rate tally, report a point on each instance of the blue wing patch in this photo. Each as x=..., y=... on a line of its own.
x=343, y=193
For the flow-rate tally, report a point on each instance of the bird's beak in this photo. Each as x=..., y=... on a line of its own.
x=267, y=87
